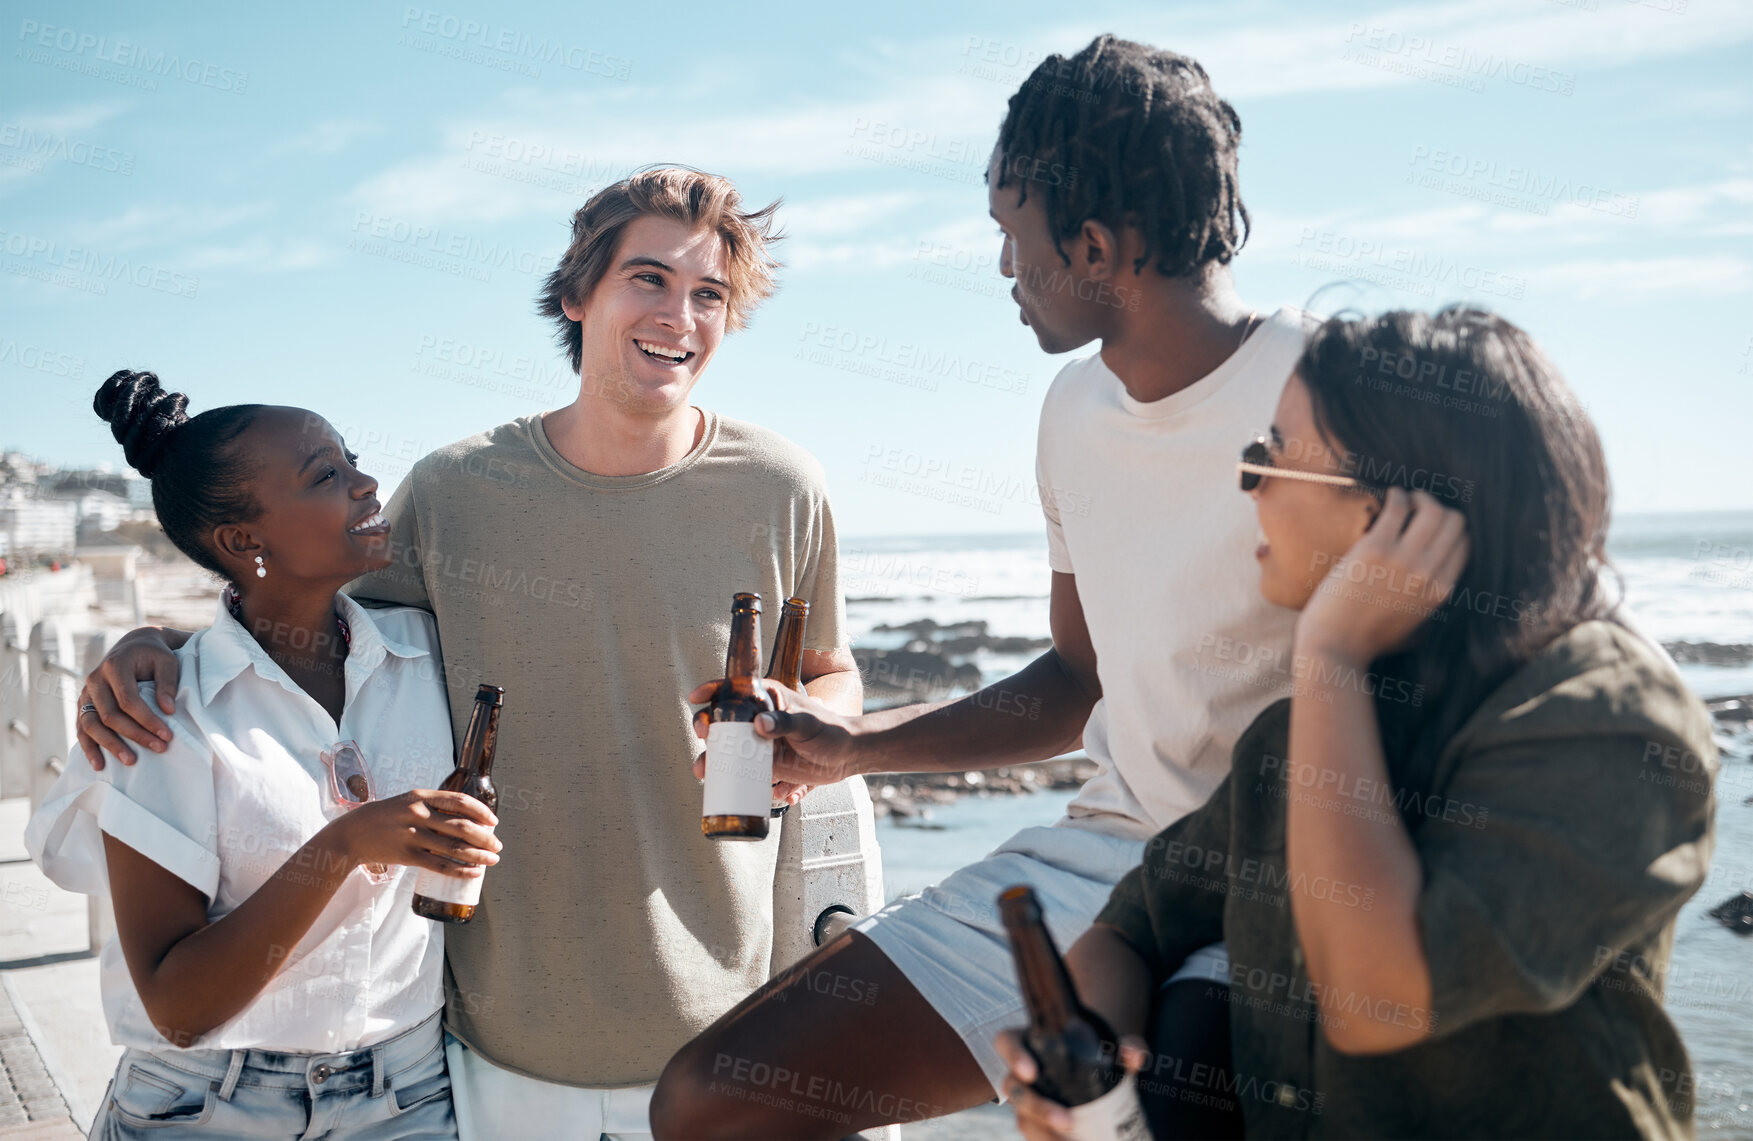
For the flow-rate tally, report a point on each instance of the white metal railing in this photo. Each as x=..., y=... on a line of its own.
x=47, y=645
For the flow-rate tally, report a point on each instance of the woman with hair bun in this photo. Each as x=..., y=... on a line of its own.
x=269, y=977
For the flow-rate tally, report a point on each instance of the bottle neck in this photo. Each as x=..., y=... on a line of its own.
x=480, y=739
x=787, y=665
x=1047, y=990
x=744, y=657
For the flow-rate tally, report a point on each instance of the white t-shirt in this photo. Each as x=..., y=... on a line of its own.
x=239, y=790
x=1143, y=506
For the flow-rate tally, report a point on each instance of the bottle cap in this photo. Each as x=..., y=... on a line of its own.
x=1018, y=905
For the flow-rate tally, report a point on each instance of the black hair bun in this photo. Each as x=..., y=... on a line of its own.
x=141, y=414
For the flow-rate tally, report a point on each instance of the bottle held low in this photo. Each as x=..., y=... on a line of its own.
x=453, y=899
x=1076, y=1052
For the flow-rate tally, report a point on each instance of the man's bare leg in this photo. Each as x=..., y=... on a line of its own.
x=839, y=1043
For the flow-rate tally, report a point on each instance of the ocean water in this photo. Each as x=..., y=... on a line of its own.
x=1688, y=578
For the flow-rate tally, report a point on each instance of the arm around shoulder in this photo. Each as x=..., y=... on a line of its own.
x=120, y=714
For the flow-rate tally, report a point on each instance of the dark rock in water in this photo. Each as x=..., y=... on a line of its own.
x=1736, y=913
x=907, y=797
x=960, y=639
x=968, y=645
x=1709, y=653
x=1732, y=711
x=929, y=629
x=917, y=675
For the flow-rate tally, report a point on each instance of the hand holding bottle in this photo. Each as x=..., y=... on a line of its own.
x=1040, y=1118
x=446, y=832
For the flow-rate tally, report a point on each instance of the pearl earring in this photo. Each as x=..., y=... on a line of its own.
x=261, y=571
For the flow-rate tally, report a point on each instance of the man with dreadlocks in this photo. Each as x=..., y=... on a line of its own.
x=1114, y=185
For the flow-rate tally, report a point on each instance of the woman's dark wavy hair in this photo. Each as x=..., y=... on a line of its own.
x=1130, y=135
x=1466, y=398
x=199, y=479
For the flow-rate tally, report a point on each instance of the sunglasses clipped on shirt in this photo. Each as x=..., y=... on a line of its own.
x=1256, y=464
x=349, y=780
x=351, y=785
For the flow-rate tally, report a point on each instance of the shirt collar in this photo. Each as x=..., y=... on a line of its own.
x=227, y=649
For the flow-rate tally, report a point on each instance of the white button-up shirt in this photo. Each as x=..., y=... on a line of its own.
x=238, y=792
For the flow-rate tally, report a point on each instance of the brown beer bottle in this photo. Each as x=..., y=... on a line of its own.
x=739, y=763
x=1075, y=1050
x=786, y=665
x=452, y=899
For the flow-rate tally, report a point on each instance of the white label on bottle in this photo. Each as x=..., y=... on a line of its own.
x=1116, y=1114
x=465, y=890
x=739, y=771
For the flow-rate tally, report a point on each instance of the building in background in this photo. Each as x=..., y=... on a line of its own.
x=36, y=528
x=46, y=512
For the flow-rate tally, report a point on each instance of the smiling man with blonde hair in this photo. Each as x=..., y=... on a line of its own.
x=584, y=558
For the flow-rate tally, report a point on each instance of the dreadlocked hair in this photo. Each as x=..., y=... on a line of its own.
x=1129, y=135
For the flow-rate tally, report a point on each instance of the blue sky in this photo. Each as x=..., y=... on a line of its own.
x=350, y=209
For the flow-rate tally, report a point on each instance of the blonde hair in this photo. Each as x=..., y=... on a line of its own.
x=701, y=200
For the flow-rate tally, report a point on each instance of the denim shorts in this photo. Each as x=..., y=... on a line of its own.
x=398, y=1088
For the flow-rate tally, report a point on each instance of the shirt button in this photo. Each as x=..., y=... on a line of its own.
x=1286, y=1095
x=320, y=1074
x=1296, y=957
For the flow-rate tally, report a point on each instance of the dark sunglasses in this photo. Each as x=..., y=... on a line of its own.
x=1256, y=464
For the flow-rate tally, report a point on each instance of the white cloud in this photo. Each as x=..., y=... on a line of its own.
x=1713, y=274
x=260, y=255
x=328, y=137
x=1283, y=50
x=36, y=140
x=934, y=104
x=847, y=213
x=545, y=155
x=1697, y=205
x=145, y=226
x=1495, y=41
x=70, y=119
x=1705, y=212
x=968, y=246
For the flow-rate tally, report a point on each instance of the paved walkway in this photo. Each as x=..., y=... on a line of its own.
x=55, y=1054
x=31, y=1105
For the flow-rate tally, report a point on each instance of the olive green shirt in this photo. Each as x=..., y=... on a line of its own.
x=612, y=931
x=1557, y=847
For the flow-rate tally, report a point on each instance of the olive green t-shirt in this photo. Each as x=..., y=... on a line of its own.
x=1569, y=819
x=611, y=931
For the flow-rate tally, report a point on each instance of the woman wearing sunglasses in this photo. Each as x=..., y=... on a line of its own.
x=270, y=978
x=1447, y=867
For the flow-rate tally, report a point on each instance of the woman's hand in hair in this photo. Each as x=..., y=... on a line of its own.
x=1400, y=572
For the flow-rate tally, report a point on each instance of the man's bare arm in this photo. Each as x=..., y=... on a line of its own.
x=1036, y=713
x=831, y=677
x=146, y=654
